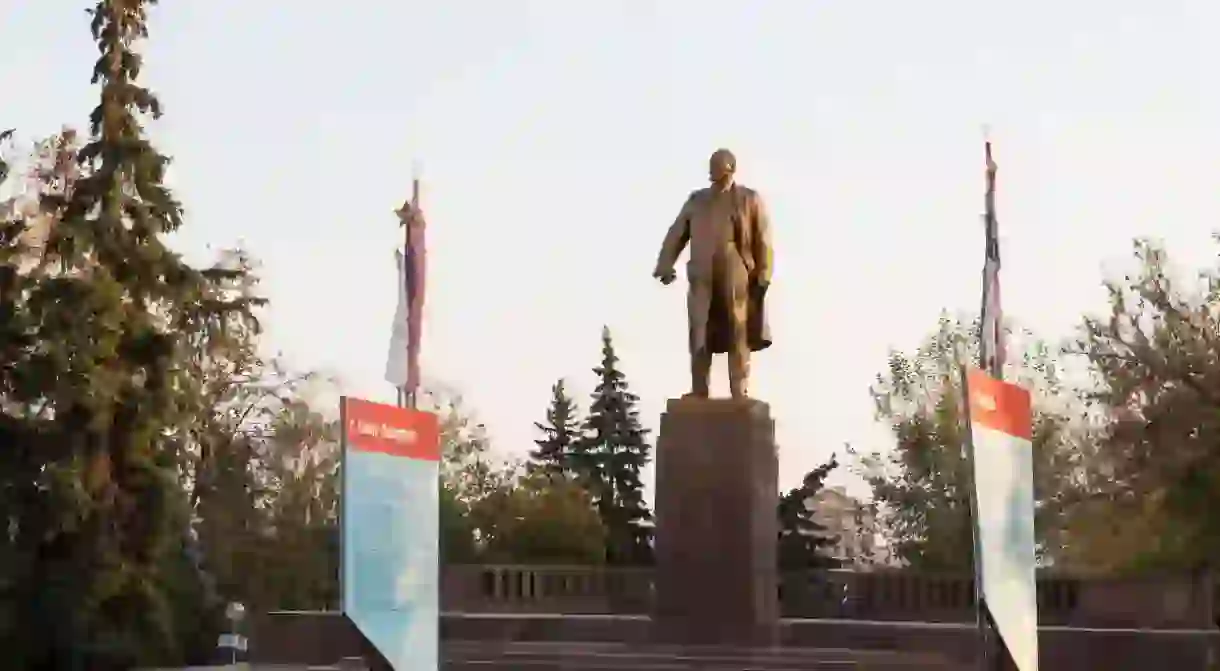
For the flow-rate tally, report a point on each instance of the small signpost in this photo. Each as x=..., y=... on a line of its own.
x=233, y=641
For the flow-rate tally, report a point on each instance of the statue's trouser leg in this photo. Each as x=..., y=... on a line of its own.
x=699, y=302
x=739, y=371
x=700, y=372
x=736, y=298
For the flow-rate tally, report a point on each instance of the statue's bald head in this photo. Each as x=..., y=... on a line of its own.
x=721, y=167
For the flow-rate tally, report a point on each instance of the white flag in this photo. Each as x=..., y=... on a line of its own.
x=396, y=358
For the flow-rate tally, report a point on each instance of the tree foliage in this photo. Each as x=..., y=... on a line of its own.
x=457, y=531
x=923, y=485
x=300, y=548
x=540, y=519
x=608, y=459
x=803, y=542
x=1156, y=476
x=491, y=509
x=93, y=387
x=468, y=470
x=469, y=473
x=560, y=433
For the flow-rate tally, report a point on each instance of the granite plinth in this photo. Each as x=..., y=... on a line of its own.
x=716, y=527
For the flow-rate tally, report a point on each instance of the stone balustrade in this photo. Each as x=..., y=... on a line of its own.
x=883, y=595
x=573, y=590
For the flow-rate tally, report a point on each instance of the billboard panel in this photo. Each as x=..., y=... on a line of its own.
x=1001, y=431
x=389, y=521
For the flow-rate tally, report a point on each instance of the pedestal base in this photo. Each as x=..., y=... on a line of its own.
x=716, y=530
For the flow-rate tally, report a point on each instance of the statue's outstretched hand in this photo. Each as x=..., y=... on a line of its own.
x=667, y=277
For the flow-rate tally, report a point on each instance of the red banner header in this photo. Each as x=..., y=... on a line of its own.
x=388, y=429
x=999, y=406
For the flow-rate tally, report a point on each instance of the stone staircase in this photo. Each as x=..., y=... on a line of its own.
x=492, y=656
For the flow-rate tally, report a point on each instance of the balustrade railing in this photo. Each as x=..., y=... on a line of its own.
x=552, y=589
x=870, y=595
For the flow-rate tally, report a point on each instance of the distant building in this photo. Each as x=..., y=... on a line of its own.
x=853, y=524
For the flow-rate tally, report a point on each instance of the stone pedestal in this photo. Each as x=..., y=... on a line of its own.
x=716, y=526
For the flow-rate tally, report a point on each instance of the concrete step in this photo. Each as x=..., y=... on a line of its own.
x=700, y=665
x=468, y=656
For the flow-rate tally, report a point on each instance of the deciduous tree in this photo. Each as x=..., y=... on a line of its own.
x=1155, y=480
x=468, y=468
x=301, y=542
x=540, y=519
x=923, y=485
x=469, y=473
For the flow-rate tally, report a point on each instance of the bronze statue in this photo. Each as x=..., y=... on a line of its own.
x=729, y=271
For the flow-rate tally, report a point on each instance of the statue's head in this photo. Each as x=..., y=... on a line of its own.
x=721, y=166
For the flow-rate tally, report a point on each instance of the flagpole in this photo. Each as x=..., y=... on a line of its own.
x=401, y=276
x=980, y=600
x=991, y=359
x=980, y=606
x=409, y=396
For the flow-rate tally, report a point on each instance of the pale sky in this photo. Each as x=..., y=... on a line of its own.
x=558, y=139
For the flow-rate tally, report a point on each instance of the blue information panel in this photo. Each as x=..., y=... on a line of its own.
x=390, y=519
x=1001, y=438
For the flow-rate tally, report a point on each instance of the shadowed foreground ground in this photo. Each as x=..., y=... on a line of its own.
x=485, y=656
x=492, y=642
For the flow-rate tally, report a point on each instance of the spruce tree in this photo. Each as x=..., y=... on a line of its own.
x=559, y=433
x=100, y=534
x=805, y=544
x=608, y=460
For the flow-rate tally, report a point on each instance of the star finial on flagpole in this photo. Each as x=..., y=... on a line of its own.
x=411, y=212
x=992, y=168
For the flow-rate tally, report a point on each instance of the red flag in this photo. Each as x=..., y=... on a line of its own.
x=404, y=371
x=415, y=260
